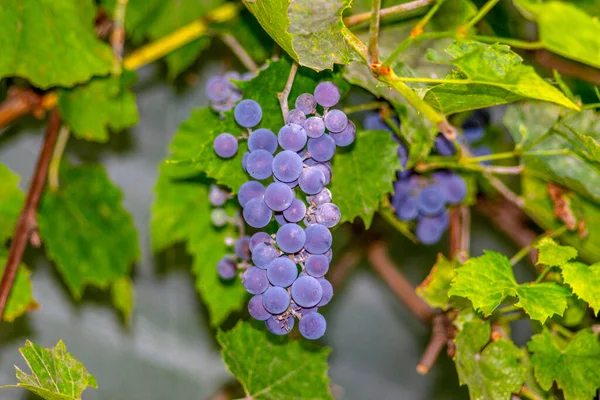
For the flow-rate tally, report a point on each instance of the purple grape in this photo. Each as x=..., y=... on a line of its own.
x=320, y=198
x=302, y=310
x=481, y=151
x=443, y=220
x=317, y=265
x=218, y=89
x=321, y=149
x=291, y=184
x=256, y=308
x=226, y=268
x=296, y=212
x=429, y=230
x=280, y=327
x=314, y=127
x=328, y=214
x=452, y=186
x=431, y=201
x=335, y=121
x=257, y=214
x=227, y=104
x=312, y=180
x=327, y=94
x=327, y=292
x=258, y=238
x=217, y=196
x=374, y=122
x=406, y=208
x=259, y=164
x=255, y=280
x=444, y=146
x=295, y=117
x=329, y=254
x=306, y=103
x=250, y=190
x=473, y=129
x=307, y=291
x=318, y=239
x=276, y=300
x=292, y=137
x=242, y=248
x=247, y=113
x=245, y=161
x=262, y=139
x=279, y=218
x=263, y=254
x=225, y=145
x=312, y=326
x=282, y=272
x=403, y=158
x=287, y=166
x=290, y=238
x=278, y=196
x=345, y=137
x=326, y=170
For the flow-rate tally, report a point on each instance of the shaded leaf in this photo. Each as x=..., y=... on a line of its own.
x=123, y=297
x=585, y=282
x=434, y=289
x=295, y=371
x=551, y=253
x=21, y=298
x=11, y=201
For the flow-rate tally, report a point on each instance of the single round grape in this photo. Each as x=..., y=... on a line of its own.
x=444, y=146
x=328, y=214
x=280, y=327
x=473, y=129
x=312, y=180
x=245, y=161
x=262, y=139
x=296, y=211
x=217, y=196
x=258, y=238
x=321, y=149
x=335, y=121
x=256, y=308
x=306, y=103
x=481, y=151
x=255, y=280
x=402, y=188
x=282, y=272
x=314, y=127
x=327, y=94
x=317, y=265
x=406, y=208
x=279, y=218
x=324, y=196
x=307, y=291
x=291, y=184
x=326, y=170
x=431, y=201
x=259, y=164
x=247, y=113
x=290, y=238
x=242, y=248
x=295, y=117
x=257, y=214
x=327, y=292
x=276, y=299
x=452, y=186
x=225, y=145
x=226, y=268
x=429, y=230
x=345, y=137
x=263, y=254
x=279, y=196
x=250, y=190
x=318, y=239
x=218, y=89
x=443, y=220
x=292, y=137
x=312, y=326
x=219, y=217
x=374, y=122
x=287, y=166
x=329, y=254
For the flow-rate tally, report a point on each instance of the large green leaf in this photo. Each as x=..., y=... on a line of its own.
x=51, y=42
x=363, y=175
x=491, y=371
x=434, y=289
x=11, y=201
x=105, y=244
x=273, y=368
x=551, y=253
x=575, y=367
x=488, y=280
x=55, y=374
x=309, y=31
x=585, y=282
x=21, y=298
x=90, y=109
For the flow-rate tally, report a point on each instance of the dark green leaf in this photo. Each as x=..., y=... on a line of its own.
x=21, y=298
x=11, y=201
x=585, y=282
x=434, y=289
x=271, y=368
x=551, y=253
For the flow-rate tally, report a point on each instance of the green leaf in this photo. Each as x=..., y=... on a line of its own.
x=551, y=253
x=35, y=35
x=55, y=374
x=556, y=20
x=488, y=280
x=363, y=175
x=492, y=75
x=575, y=368
x=105, y=245
x=434, y=289
x=295, y=370
x=491, y=371
x=123, y=297
x=181, y=212
x=310, y=32
x=11, y=201
x=102, y=103
x=585, y=282
x=21, y=298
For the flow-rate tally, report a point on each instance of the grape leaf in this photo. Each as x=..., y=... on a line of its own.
x=90, y=109
x=434, y=289
x=575, y=367
x=295, y=371
x=34, y=33
x=363, y=175
x=493, y=75
x=105, y=246
x=55, y=374
x=123, y=297
x=551, y=253
x=556, y=20
x=21, y=298
x=585, y=282
x=488, y=280
x=491, y=371
x=181, y=212
x=310, y=32
x=11, y=201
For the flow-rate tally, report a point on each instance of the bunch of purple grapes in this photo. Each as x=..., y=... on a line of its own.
x=287, y=270
x=222, y=92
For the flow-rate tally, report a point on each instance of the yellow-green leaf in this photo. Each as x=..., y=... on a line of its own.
x=585, y=282
x=551, y=253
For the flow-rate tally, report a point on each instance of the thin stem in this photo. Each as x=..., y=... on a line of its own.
x=117, y=37
x=357, y=45
x=525, y=250
x=386, y=213
x=529, y=394
x=374, y=33
x=516, y=43
x=239, y=51
x=419, y=27
x=283, y=96
x=59, y=148
x=505, y=191
x=374, y=105
x=413, y=39
x=543, y=274
x=563, y=331
x=489, y=157
x=397, y=131
x=384, y=12
x=479, y=16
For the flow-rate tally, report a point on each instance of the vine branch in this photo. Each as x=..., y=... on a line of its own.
x=384, y=12
x=374, y=33
x=239, y=51
x=283, y=95
x=117, y=37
